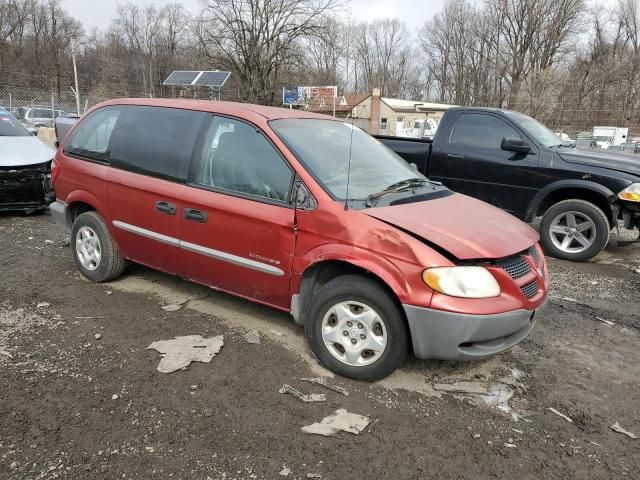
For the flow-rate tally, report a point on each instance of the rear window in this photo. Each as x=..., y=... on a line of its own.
x=156, y=141
x=10, y=127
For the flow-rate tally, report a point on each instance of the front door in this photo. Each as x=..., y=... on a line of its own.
x=471, y=161
x=237, y=225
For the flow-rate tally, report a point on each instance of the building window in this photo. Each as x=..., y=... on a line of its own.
x=383, y=124
x=400, y=120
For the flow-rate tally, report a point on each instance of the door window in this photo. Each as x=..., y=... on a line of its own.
x=238, y=158
x=481, y=131
x=92, y=137
x=156, y=141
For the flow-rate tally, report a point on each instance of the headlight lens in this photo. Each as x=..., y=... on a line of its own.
x=631, y=193
x=467, y=282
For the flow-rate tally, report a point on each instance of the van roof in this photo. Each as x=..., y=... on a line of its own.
x=229, y=108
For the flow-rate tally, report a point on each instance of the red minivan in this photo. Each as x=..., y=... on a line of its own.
x=306, y=214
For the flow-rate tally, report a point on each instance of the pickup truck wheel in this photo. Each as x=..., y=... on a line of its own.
x=356, y=329
x=574, y=230
x=94, y=251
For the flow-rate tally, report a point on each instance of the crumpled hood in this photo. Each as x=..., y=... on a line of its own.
x=463, y=226
x=622, y=162
x=22, y=151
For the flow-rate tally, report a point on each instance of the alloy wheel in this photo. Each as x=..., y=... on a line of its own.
x=573, y=232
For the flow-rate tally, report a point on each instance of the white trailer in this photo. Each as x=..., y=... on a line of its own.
x=608, y=136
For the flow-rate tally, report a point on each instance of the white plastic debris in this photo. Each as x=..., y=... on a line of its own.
x=510, y=445
x=307, y=398
x=252, y=337
x=173, y=307
x=181, y=351
x=42, y=305
x=114, y=397
x=341, y=420
x=568, y=419
x=97, y=336
x=284, y=472
x=617, y=428
x=48, y=242
x=605, y=321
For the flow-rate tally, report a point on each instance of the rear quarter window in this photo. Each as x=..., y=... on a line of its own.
x=156, y=141
x=91, y=139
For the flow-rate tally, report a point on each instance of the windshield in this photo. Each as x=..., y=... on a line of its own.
x=10, y=127
x=537, y=130
x=323, y=147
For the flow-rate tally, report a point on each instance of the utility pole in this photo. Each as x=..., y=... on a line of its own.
x=75, y=73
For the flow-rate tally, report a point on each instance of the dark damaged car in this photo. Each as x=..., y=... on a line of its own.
x=25, y=168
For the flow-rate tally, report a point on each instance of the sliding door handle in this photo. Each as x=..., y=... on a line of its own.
x=455, y=155
x=166, y=207
x=195, y=215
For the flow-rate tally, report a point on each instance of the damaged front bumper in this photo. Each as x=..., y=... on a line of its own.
x=26, y=188
x=455, y=336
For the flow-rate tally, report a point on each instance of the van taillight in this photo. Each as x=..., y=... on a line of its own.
x=55, y=170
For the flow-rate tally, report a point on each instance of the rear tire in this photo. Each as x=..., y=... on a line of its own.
x=574, y=230
x=94, y=251
x=356, y=329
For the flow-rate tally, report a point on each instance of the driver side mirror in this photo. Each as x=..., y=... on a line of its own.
x=514, y=145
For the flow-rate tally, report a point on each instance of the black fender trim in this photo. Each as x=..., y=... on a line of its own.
x=562, y=184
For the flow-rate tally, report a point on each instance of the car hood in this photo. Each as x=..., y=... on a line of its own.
x=622, y=162
x=463, y=226
x=22, y=151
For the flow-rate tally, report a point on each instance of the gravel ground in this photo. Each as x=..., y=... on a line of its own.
x=81, y=396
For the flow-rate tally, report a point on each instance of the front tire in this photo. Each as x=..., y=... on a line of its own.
x=574, y=230
x=356, y=329
x=94, y=251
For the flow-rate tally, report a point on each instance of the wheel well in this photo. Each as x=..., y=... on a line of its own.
x=322, y=272
x=559, y=195
x=77, y=208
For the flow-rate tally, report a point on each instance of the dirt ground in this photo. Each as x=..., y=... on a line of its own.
x=74, y=406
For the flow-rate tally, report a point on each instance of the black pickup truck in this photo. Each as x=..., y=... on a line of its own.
x=514, y=162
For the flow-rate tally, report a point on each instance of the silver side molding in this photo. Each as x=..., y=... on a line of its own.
x=199, y=249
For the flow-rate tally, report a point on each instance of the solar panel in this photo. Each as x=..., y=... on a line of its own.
x=181, y=78
x=212, y=79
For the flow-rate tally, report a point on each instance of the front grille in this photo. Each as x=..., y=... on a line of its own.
x=530, y=289
x=533, y=251
x=516, y=266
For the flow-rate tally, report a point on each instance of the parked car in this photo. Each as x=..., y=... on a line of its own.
x=514, y=162
x=62, y=126
x=40, y=116
x=306, y=214
x=25, y=163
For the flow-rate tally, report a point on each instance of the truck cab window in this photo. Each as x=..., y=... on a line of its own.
x=481, y=131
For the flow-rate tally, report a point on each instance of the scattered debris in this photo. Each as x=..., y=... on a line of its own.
x=276, y=332
x=87, y=318
x=510, y=445
x=314, y=475
x=43, y=305
x=6, y=354
x=605, y=321
x=150, y=449
x=114, y=397
x=341, y=420
x=636, y=270
x=285, y=472
x=463, y=387
x=252, y=337
x=97, y=336
x=194, y=387
x=476, y=435
x=173, y=307
x=321, y=381
x=595, y=443
x=517, y=431
x=13, y=465
x=109, y=292
x=310, y=398
x=49, y=242
x=566, y=299
x=66, y=242
x=181, y=351
x=617, y=428
x=568, y=419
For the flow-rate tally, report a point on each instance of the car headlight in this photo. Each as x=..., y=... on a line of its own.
x=631, y=193
x=463, y=281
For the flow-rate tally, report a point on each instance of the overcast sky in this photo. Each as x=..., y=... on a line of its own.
x=413, y=12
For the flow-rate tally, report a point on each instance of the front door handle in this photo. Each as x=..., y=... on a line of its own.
x=195, y=215
x=166, y=207
x=455, y=155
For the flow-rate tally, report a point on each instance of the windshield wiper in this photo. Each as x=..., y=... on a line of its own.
x=397, y=187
